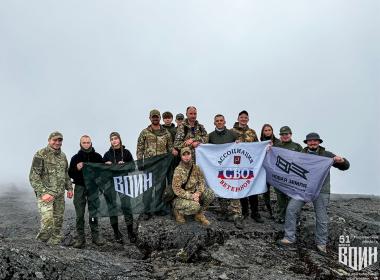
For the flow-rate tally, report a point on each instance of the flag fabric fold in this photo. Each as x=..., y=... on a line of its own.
x=298, y=175
x=233, y=170
x=131, y=188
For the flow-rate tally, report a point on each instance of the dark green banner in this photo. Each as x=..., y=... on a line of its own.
x=131, y=188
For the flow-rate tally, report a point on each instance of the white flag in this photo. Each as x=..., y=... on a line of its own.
x=233, y=170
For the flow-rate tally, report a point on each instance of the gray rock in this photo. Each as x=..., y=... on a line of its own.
x=165, y=250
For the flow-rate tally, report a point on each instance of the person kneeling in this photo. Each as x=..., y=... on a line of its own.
x=193, y=197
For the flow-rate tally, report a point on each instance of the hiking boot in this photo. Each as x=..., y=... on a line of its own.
x=54, y=241
x=44, y=237
x=145, y=216
x=131, y=234
x=118, y=237
x=56, y=237
x=160, y=213
x=98, y=240
x=182, y=255
x=200, y=217
x=285, y=243
x=257, y=218
x=238, y=222
x=179, y=218
x=229, y=217
x=80, y=242
x=321, y=249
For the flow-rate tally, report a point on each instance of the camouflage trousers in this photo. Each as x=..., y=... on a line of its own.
x=191, y=207
x=230, y=206
x=51, y=218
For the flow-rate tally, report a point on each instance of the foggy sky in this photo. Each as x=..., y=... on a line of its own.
x=92, y=67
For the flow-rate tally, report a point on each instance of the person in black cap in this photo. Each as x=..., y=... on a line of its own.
x=313, y=142
x=246, y=134
x=285, y=143
x=118, y=154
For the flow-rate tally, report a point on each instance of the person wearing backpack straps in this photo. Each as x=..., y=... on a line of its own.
x=190, y=133
x=192, y=195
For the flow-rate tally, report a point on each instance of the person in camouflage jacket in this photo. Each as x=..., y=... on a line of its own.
x=193, y=197
x=49, y=179
x=246, y=134
x=155, y=139
x=190, y=133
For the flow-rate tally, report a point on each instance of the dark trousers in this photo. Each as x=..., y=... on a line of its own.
x=282, y=204
x=266, y=196
x=114, y=220
x=252, y=201
x=80, y=201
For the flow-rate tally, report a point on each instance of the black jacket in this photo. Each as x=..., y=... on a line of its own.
x=172, y=130
x=81, y=156
x=116, y=155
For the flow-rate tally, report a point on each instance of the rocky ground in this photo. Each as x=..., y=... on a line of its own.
x=167, y=251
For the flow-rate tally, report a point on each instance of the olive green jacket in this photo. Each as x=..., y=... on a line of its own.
x=293, y=146
x=196, y=182
x=153, y=143
x=49, y=173
x=245, y=134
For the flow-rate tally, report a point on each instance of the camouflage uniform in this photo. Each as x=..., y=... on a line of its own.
x=185, y=132
x=153, y=143
x=183, y=203
x=246, y=134
x=48, y=175
x=172, y=129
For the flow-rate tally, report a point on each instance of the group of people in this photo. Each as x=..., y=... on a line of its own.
x=51, y=175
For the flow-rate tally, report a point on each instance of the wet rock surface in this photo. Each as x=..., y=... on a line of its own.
x=165, y=250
